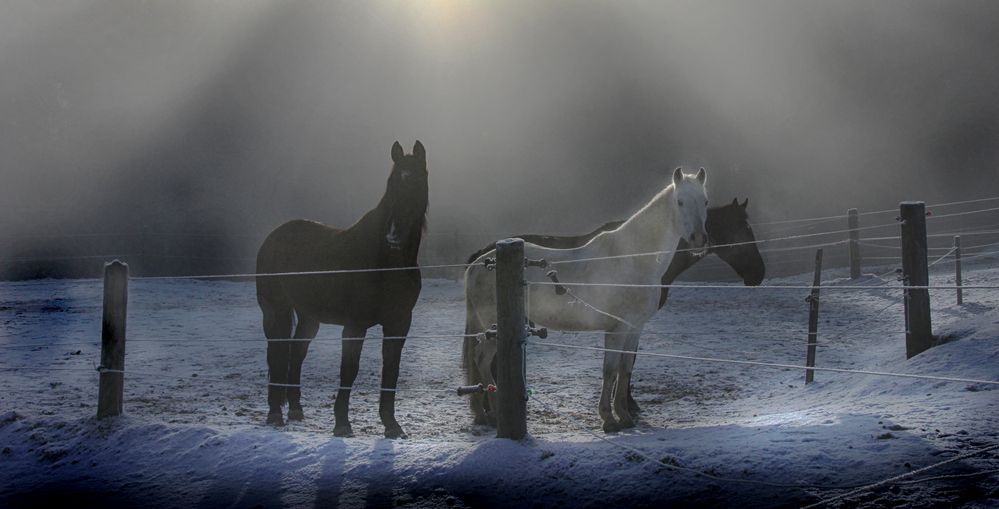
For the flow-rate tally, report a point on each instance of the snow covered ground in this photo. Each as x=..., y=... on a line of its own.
x=193, y=432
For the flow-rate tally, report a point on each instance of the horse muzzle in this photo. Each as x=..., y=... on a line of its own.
x=698, y=243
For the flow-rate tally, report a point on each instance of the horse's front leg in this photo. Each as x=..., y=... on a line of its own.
x=622, y=395
x=350, y=360
x=611, y=363
x=391, y=357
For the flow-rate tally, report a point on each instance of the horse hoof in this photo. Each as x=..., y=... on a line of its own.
x=275, y=419
x=343, y=431
x=611, y=427
x=296, y=415
x=626, y=424
x=395, y=432
x=480, y=420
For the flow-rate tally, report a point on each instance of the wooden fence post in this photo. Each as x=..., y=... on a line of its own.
x=813, y=318
x=110, y=393
x=957, y=269
x=918, y=330
x=854, y=225
x=511, y=335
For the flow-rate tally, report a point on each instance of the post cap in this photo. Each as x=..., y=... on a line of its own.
x=509, y=242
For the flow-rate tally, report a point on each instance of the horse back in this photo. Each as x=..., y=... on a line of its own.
x=361, y=298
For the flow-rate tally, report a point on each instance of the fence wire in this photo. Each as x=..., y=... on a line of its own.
x=768, y=364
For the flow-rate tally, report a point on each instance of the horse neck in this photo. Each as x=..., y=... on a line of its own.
x=372, y=228
x=653, y=228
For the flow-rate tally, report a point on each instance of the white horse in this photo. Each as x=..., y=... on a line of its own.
x=675, y=213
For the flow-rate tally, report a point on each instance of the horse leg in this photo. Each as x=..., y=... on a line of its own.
x=621, y=395
x=350, y=361
x=633, y=407
x=277, y=325
x=307, y=329
x=391, y=357
x=485, y=358
x=471, y=360
x=610, y=370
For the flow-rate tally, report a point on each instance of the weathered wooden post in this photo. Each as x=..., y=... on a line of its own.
x=957, y=269
x=511, y=336
x=110, y=393
x=813, y=318
x=918, y=331
x=853, y=219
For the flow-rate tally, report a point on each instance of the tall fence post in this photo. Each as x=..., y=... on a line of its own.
x=918, y=331
x=511, y=334
x=853, y=219
x=110, y=394
x=957, y=269
x=813, y=318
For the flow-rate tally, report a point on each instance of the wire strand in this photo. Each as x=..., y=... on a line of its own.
x=906, y=475
x=771, y=364
x=304, y=273
x=765, y=287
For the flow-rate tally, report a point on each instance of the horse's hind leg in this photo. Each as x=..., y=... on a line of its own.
x=391, y=357
x=350, y=360
x=277, y=325
x=622, y=394
x=610, y=371
x=307, y=328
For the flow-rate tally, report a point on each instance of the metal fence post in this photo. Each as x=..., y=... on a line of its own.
x=854, y=244
x=957, y=269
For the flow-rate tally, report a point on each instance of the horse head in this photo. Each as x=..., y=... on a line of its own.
x=732, y=240
x=406, y=196
x=691, y=202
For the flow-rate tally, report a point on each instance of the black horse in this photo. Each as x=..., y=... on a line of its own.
x=386, y=237
x=730, y=237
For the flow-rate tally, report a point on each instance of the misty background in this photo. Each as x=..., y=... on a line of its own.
x=177, y=134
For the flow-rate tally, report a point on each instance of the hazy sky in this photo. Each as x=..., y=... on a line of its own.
x=234, y=116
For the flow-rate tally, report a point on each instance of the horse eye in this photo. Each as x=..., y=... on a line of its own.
x=680, y=202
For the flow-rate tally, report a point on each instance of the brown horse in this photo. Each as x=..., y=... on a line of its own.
x=386, y=237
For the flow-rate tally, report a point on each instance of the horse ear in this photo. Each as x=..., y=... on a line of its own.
x=396, y=152
x=745, y=203
x=701, y=175
x=419, y=151
x=735, y=201
x=677, y=176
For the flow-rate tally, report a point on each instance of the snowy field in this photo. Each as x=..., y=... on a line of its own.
x=193, y=433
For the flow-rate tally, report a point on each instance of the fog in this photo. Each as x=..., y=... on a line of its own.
x=206, y=124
